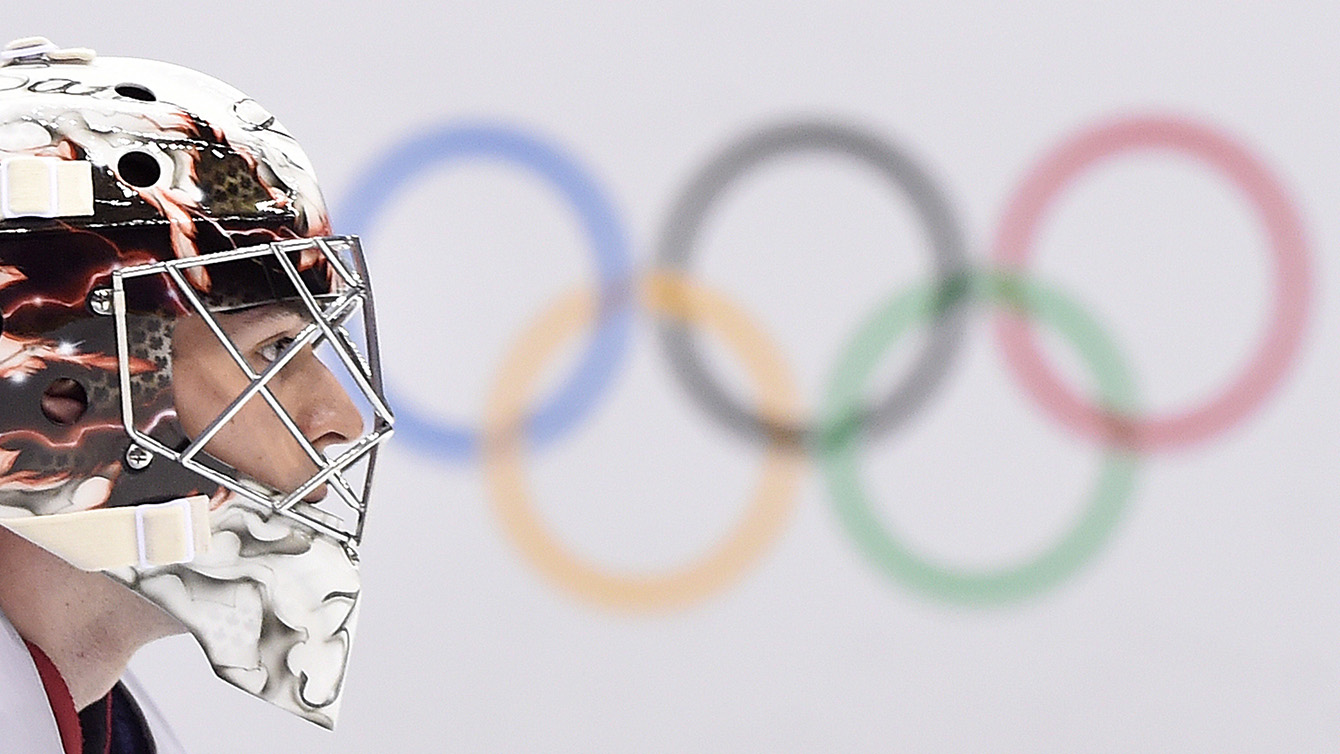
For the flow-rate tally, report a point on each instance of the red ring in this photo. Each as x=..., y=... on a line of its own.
x=1291, y=295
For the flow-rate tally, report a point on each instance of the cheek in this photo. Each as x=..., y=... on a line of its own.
x=186, y=392
x=202, y=388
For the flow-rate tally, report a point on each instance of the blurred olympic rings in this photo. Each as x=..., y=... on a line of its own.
x=1288, y=245
x=679, y=301
x=1090, y=529
x=763, y=520
x=377, y=186
x=694, y=205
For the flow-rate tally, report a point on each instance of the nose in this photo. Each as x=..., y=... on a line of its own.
x=325, y=413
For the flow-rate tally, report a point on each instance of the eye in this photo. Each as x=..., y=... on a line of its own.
x=270, y=351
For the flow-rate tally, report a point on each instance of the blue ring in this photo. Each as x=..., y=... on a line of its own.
x=409, y=160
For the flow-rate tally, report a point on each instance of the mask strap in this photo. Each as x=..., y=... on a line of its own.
x=146, y=536
x=45, y=187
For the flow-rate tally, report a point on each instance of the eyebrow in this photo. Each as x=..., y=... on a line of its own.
x=263, y=315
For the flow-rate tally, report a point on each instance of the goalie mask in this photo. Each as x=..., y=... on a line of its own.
x=190, y=397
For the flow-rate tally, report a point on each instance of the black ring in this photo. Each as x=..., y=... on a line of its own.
x=950, y=266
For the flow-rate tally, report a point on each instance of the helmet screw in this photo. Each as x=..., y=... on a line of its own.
x=138, y=457
x=100, y=301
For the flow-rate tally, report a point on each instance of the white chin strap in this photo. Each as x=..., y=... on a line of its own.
x=135, y=535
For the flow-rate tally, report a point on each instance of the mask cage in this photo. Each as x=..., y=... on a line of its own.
x=325, y=278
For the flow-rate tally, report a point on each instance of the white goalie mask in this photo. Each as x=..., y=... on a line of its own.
x=190, y=395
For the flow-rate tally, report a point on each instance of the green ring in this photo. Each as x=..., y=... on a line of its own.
x=946, y=582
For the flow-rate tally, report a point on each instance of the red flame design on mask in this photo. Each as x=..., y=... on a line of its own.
x=25, y=481
x=21, y=357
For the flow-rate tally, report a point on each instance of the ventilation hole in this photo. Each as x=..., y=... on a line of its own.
x=64, y=401
x=139, y=169
x=135, y=91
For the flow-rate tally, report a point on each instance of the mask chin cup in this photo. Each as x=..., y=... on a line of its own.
x=142, y=536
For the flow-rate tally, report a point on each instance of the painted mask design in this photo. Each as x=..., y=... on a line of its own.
x=180, y=323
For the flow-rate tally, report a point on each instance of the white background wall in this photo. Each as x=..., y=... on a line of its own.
x=1208, y=622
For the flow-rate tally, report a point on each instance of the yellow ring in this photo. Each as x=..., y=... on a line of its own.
x=668, y=295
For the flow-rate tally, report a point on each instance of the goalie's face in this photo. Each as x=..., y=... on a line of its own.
x=205, y=380
x=270, y=389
